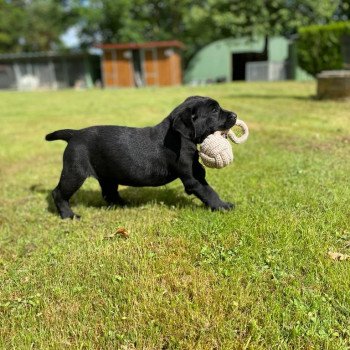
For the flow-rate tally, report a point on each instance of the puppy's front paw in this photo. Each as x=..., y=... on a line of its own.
x=71, y=216
x=229, y=206
x=223, y=206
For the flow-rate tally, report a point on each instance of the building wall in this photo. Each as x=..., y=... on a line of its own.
x=214, y=61
x=170, y=72
x=150, y=67
x=107, y=68
x=278, y=49
x=124, y=70
x=117, y=69
x=159, y=69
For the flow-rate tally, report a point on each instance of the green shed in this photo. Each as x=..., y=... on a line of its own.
x=245, y=59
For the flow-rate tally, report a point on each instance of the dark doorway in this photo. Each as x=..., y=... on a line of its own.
x=239, y=61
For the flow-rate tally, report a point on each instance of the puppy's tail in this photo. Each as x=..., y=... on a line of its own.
x=65, y=134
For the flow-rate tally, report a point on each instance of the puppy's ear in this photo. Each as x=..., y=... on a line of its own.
x=183, y=123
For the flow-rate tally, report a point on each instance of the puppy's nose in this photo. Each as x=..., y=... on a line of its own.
x=233, y=116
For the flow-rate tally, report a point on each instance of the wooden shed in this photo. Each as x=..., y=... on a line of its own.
x=156, y=63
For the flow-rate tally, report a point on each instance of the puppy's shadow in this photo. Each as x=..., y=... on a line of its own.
x=139, y=196
x=135, y=197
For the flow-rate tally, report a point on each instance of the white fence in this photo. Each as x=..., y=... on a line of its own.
x=31, y=71
x=44, y=75
x=267, y=71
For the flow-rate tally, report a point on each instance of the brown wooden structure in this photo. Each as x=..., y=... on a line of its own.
x=156, y=63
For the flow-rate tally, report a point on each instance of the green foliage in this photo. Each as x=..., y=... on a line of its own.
x=225, y=18
x=45, y=21
x=36, y=25
x=135, y=21
x=11, y=25
x=319, y=47
x=196, y=23
x=343, y=11
x=33, y=25
x=257, y=277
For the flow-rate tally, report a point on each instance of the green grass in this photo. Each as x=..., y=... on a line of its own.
x=258, y=277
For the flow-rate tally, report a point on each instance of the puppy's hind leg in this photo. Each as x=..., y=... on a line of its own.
x=69, y=183
x=110, y=192
x=74, y=173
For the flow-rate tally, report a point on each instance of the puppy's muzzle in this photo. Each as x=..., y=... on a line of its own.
x=229, y=123
x=232, y=118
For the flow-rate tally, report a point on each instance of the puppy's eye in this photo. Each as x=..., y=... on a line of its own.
x=215, y=109
x=194, y=117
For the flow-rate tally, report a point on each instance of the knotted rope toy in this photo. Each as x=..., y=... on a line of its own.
x=216, y=151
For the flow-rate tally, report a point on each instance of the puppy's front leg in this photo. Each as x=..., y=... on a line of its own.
x=201, y=189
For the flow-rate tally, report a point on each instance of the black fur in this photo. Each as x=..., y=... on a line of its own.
x=151, y=156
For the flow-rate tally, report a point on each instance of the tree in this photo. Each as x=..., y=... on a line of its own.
x=197, y=22
x=34, y=25
x=45, y=21
x=217, y=19
x=131, y=20
x=343, y=11
x=320, y=47
x=12, y=16
x=224, y=18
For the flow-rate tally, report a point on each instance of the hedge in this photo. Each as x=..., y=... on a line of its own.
x=319, y=46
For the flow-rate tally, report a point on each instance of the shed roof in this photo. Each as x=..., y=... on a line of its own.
x=44, y=54
x=150, y=44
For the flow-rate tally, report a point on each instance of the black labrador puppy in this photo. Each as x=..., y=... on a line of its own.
x=151, y=156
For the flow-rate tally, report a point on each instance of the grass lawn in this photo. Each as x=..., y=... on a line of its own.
x=258, y=277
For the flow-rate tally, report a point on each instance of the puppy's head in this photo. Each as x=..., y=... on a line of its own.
x=197, y=117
